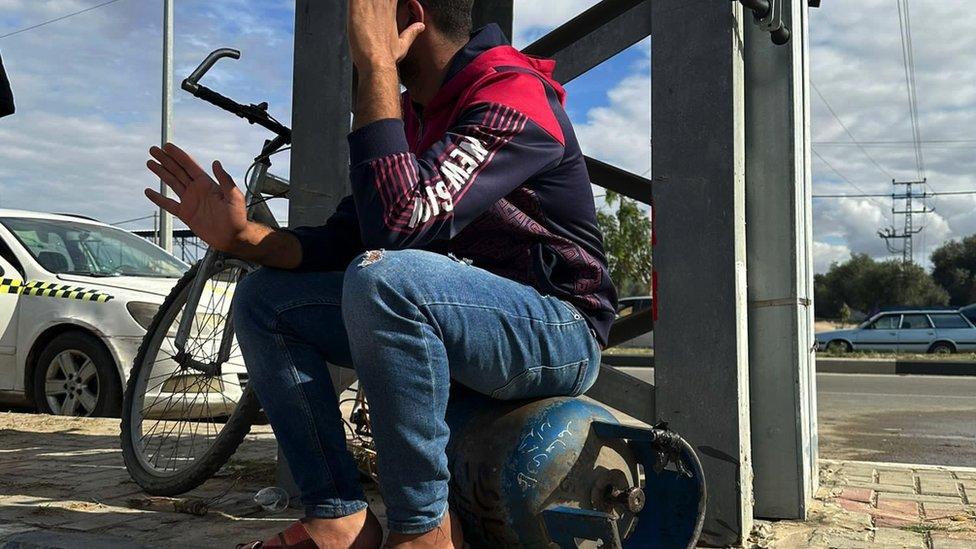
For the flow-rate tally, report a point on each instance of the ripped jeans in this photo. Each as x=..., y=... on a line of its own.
x=409, y=322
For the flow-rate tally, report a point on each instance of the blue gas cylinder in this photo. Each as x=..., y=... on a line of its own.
x=544, y=473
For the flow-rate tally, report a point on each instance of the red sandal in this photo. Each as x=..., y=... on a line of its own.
x=294, y=537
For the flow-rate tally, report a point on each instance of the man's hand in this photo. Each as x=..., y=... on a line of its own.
x=374, y=40
x=216, y=211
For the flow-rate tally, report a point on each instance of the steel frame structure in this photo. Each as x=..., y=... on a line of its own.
x=731, y=145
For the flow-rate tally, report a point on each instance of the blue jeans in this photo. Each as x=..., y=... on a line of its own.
x=409, y=322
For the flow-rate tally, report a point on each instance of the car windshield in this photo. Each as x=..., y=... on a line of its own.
x=69, y=247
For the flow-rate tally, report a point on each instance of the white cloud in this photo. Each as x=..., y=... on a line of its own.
x=825, y=255
x=534, y=18
x=620, y=133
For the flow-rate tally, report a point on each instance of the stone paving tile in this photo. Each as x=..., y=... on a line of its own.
x=863, y=495
x=891, y=537
x=939, y=487
x=899, y=478
x=953, y=540
x=896, y=513
x=921, y=498
x=935, y=511
x=893, y=488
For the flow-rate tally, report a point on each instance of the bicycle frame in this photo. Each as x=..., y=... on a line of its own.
x=260, y=183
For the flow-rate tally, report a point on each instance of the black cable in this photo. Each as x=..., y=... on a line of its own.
x=849, y=134
x=55, y=20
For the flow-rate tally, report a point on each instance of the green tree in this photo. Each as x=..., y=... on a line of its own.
x=954, y=268
x=865, y=285
x=627, y=239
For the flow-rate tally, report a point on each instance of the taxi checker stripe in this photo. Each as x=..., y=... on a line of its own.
x=50, y=289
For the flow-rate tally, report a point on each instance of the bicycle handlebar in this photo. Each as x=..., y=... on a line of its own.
x=254, y=114
x=192, y=82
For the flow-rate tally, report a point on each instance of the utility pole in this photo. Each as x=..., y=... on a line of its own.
x=165, y=235
x=908, y=232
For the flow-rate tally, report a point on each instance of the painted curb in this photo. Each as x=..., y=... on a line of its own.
x=842, y=365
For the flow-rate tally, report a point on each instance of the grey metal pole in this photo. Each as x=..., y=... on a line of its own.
x=779, y=239
x=165, y=238
x=700, y=337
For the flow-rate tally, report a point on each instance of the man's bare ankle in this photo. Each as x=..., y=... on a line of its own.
x=360, y=530
x=446, y=536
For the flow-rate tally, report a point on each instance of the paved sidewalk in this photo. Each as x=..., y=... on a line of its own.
x=862, y=504
x=64, y=478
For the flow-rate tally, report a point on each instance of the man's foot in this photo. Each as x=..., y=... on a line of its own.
x=446, y=536
x=361, y=530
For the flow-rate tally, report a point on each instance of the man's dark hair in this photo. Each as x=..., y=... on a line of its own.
x=452, y=17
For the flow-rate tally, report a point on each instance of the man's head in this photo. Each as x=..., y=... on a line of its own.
x=448, y=24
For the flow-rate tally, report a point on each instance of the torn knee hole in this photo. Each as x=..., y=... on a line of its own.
x=371, y=257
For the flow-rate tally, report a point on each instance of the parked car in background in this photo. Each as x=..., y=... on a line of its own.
x=631, y=305
x=940, y=331
x=969, y=311
x=76, y=298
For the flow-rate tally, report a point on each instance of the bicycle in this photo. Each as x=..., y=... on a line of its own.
x=189, y=375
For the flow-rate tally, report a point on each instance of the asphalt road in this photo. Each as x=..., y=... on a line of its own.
x=908, y=419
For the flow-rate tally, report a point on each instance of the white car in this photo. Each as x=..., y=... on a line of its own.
x=76, y=298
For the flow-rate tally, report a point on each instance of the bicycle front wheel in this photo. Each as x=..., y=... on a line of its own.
x=185, y=412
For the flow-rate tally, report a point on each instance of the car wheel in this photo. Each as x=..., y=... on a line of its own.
x=839, y=346
x=942, y=348
x=75, y=376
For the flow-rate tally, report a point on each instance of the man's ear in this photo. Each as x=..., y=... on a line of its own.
x=417, y=13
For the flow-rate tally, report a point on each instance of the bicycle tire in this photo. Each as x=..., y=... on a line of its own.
x=224, y=444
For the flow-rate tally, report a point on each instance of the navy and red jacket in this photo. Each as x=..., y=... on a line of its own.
x=490, y=171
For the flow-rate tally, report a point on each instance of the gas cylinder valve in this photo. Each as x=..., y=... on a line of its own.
x=632, y=498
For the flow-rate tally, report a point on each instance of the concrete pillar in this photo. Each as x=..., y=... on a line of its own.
x=701, y=339
x=779, y=237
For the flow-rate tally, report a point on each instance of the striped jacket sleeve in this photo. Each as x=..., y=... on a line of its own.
x=407, y=200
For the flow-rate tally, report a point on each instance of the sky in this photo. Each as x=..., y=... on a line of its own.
x=88, y=96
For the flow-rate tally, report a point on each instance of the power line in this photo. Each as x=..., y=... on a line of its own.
x=133, y=220
x=897, y=142
x=881, y=195
x=56, y=19
x=842, y=176
x=849, y=133
x=908, y=59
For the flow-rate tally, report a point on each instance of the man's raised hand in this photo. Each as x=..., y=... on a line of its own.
x=214, y=210
x=374, y=40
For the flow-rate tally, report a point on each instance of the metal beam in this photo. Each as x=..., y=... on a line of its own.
x=625, y=393
x=779, y=237
x=619, y=180
x=500, y=12
x=594, y=36
x=631, y=326
x=700, y=337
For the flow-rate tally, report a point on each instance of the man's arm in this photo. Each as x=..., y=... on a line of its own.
x=376, y=47
x=407, y=200
x=216, y=212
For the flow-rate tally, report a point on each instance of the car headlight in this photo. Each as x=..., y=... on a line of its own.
x=142, y=312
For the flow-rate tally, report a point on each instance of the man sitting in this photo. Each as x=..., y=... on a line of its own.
x=468, y=251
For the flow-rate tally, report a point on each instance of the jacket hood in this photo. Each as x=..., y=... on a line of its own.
x=488, y=49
